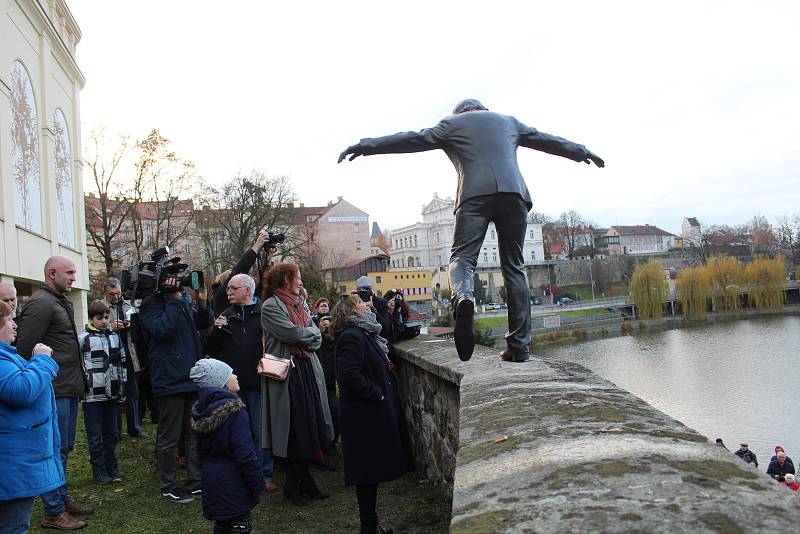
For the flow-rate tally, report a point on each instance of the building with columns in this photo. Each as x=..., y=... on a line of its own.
x=427, y=244
x=41, y=190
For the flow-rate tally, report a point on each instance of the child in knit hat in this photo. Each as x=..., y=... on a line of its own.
x=232, y=476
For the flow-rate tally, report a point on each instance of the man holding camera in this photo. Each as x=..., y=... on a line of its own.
x=266, y=241
x=171, y=327
x=236, y=340
x=120, y=321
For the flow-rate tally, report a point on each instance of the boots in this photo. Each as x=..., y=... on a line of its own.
x=100, y=475
x=309, y=488
x=62, y=521
x=292, y=492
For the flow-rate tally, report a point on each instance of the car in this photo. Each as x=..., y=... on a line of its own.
x=537, y=301
x=491, y=306
x=564, y=301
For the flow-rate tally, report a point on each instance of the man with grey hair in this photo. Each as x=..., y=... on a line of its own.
x=120, y=314
x=49, y=318
x=8, y=294
x=482, y=146
x=236, y=340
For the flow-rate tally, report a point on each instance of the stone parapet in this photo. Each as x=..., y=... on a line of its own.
x=548, y=446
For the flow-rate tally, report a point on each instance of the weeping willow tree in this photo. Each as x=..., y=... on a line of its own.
x=726, y=276
x=765, y=281
x=797, y=273
x=649, y=289
x=694, y=288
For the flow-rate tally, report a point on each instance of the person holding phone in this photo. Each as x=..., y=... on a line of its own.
x=327, y=358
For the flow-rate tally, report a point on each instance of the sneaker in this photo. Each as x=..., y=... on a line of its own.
x=197, y=492
x=176, y=496
x=62, y=521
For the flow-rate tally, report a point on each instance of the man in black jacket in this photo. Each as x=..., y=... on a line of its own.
x=482, y=146
x=236, y=340
x=243, y=266
x=49, y=318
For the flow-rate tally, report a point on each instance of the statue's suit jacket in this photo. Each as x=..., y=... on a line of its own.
x=483, y=148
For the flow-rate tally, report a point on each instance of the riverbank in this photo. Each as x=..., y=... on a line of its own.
x=621, y=327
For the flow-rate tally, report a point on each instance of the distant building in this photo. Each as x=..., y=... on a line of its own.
x=639, y=239
x=690, y=232
x=41, y=187
x=334, y=235
x=428, y=244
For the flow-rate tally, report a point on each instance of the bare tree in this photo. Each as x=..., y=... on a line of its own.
x=115, y=203
x=571, y=224
x=165, y=182
x=788, y=236
x=234, y=213
x=762, y=237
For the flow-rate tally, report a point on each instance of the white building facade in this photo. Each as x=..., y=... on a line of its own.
x=41, y=191
x=427, y=244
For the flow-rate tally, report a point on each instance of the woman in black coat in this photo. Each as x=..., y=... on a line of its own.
x=369, y=407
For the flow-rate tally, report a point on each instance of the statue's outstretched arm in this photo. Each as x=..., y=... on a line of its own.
x=399, y=143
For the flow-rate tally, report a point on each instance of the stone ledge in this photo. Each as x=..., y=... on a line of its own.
x=547, y=446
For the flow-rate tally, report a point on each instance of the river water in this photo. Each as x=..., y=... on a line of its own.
x=736, y=380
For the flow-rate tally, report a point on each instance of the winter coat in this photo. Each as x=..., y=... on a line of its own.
x=369, y=411
x=748, y=456
x=326, y=353
x=104, y=361
x=29, y=435
x=119, y=312
x=170, y=327
x=776, y=469
x=232, y=476
x=279, y=334
x=49, y=318
x=240, y=344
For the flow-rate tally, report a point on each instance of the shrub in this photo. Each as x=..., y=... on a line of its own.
x=484, y=337
x=626, y=327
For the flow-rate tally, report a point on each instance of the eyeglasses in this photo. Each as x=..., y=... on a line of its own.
x=231, y=289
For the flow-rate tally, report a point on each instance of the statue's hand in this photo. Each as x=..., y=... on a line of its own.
x=594, y=159
x=353, y=151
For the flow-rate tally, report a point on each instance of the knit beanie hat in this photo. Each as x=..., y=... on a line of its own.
x=210, y=373
x=364, y=282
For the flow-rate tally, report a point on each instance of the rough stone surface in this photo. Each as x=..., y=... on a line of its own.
x=547, y=446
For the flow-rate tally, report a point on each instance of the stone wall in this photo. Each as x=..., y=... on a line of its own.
x=547, y=446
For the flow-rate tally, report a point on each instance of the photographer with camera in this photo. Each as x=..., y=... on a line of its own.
x=376, y=304
x=236, y=340
x=170, y=327
x=264, y=247
x=400, y=327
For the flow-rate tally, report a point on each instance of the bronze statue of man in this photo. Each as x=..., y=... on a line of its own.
x=483, y=148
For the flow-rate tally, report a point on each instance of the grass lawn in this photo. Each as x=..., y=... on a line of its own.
x=135, y=506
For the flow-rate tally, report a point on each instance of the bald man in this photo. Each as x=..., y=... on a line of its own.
x=8, y=294
x=50, y=318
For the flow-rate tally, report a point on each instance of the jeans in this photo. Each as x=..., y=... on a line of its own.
x=132, y=417
x=175, y=416
x=252, y=400
x=102, y=435
x=67, y=408
x=15, y=516
x=509, y=213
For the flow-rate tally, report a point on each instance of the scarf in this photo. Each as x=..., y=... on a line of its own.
x=369, y=324
x=297, y=315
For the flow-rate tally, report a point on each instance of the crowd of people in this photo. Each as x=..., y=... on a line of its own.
x=781, y=467
x=192, y=363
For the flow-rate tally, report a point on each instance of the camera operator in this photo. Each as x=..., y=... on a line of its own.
x=398, y=314
x=220, y=297
x=236, y=340
x=171, y=328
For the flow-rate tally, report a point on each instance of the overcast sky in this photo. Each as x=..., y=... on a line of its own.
x=693, y=105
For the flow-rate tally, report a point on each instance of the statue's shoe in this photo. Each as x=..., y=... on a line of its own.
x=463, y=331
x=509, y=355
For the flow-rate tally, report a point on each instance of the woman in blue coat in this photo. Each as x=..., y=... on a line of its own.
x=29, y=435
x=369, y=407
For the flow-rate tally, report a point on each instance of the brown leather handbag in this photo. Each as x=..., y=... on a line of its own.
x=273, y=367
